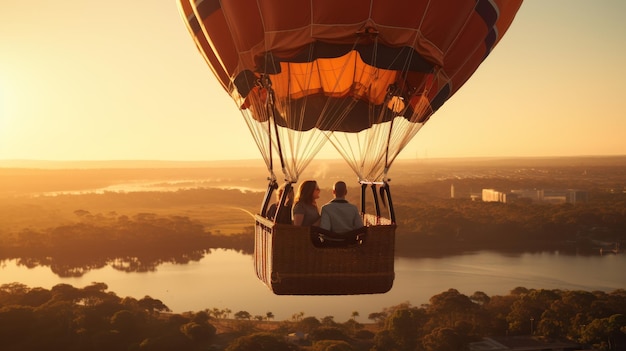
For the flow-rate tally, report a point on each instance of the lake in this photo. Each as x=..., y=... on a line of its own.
x=226, y=279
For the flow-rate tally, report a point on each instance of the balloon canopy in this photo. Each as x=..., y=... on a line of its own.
x=364, y=75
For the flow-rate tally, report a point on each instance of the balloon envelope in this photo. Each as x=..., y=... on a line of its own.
x=364, y=74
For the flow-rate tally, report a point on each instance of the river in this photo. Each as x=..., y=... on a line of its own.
x=226, y=279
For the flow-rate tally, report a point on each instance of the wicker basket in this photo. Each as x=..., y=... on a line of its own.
x=289, y=264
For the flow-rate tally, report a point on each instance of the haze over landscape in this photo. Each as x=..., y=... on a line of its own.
x=153, y=228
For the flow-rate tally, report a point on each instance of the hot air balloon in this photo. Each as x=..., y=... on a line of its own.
x=362, y=75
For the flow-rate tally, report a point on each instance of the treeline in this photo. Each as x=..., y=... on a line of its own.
x=133, y=244
x=427, y=225
x=451, y=320
x=69, y=318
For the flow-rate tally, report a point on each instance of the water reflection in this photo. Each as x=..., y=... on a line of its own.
x=137, y=244
x=226, y=279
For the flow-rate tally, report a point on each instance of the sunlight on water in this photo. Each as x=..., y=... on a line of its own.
x=226, y=279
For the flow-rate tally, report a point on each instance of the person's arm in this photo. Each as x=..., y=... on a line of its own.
x=298, y=214
x=358, y=219
x=298, y=218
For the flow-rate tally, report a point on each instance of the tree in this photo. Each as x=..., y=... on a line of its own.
x=328, y=333
x=364, y=334
x=243, y=315
x=201, y=317
x=259, y=342
x=153, y=305
x=495, y=312
x=12, y=290
x=308, y=324
x=451, y=306
x=355, y=314
x=216, y=312
x=57, y=321
x=596, y=333
x=444, y=339
x=377, y=317
x=519, y=291
x=332, y=345
x=384, y=341
x=527, y=310
x=198, y=332
x=480, y=298
x=65, y=292
x=328, y=321
x=269, y=316
x=352, y=325
x=15, y=324
x=125, y=322
x=402, y=327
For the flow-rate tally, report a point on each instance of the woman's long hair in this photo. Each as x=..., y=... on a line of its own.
x=305, y=192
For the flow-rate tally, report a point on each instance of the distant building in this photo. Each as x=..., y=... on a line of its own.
x=492, y=195
x=577, y=196
x=538, y=195
x=554, y=197
x=533, y=194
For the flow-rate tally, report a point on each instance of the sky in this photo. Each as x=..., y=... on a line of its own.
x=123, y=80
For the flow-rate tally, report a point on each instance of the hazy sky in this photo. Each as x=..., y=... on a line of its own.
x=122, y=80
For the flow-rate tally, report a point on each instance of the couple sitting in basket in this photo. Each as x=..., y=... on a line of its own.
x=339, y=219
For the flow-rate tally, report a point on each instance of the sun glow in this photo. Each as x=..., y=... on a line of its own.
x=7, y=111
x=74, y=87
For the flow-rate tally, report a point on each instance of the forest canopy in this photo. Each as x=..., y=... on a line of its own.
x=92, y=318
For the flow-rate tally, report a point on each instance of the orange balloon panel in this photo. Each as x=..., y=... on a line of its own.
x=336, y=64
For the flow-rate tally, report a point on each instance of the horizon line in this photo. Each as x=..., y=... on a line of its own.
x=143, y=163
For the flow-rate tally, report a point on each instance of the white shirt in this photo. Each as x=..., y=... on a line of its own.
x=340, y=216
